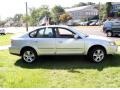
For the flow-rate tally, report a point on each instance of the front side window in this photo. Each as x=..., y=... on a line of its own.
x=64, y=33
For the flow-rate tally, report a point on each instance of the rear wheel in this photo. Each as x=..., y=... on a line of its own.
x=109, y=34
x=96, y=54
x=29, y=55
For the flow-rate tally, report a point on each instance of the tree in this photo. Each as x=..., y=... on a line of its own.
x=79, y=4
x=83, y=4
x=108, y=8
x=90, y=3
x=26, y=19
x=102, y=12
x=34, y=14
x=2, y=23
x=9, y=21
x=17, y=17
x=56, y=12
x=18, y=20
x=37, y=14
x=65, y=17
x=118, y=13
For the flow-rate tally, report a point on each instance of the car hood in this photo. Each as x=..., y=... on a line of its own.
x=95, y=37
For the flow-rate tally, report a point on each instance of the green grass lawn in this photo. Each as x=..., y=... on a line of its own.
x=59, y=71
x=117, y=42
x=5, y=39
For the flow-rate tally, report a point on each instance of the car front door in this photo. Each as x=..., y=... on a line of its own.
x=44, y=40
x=66, y=43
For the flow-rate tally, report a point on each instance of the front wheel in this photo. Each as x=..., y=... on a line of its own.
x=29, y=55
x=96, y=55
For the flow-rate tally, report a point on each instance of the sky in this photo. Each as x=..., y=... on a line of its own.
x=8, y=8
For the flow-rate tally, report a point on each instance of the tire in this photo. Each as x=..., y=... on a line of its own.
x=96, y=55
x=109, y=34
x=29, y=55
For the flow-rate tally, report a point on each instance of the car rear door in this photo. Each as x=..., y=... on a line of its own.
x=45, y=41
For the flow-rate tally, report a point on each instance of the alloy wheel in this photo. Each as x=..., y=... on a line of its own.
x=98, y=55
x=109, y=34
x=29, y=56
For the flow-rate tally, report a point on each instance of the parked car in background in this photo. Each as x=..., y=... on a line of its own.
x=61, y=40
x=93, y=23
x=71, y=23
x=83, y=23
x=90, y=23
x=2, y=31
x=98, y=23
x=86, y=23
x=111, y=28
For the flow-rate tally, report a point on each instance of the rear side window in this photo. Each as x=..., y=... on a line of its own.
x=33, y=34
x=45, y=33
x=40, y=33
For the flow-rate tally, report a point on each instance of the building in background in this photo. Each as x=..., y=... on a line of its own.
x=82, y=13
x=115, y=7
x=115, y=10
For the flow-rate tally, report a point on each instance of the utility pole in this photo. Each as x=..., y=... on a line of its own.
x=99, y=11
x=26, y=16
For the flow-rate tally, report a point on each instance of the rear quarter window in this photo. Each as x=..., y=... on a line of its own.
x=33, y=34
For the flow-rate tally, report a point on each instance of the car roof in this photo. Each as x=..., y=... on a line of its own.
x=63, y=26
x=54, y=26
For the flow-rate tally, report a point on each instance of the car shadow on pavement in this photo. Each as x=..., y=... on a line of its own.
x=70, y=63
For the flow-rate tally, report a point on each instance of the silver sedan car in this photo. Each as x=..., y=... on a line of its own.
x=61, y=40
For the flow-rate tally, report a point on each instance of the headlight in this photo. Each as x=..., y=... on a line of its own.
x=112, y=43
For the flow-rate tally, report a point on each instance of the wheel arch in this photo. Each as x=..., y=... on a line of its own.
x=27, y=47
x=95, y=46
x=109, y=31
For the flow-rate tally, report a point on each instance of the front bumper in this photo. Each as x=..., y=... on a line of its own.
x=112, y=49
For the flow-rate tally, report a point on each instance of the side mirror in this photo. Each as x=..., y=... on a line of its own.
x=76, y=36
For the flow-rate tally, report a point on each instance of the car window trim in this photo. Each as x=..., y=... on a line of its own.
x=66, y=29
x=53, y=31
x=54, y=35
x=33, y=31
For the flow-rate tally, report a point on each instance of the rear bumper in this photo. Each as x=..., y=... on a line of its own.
x=14, y=51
